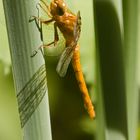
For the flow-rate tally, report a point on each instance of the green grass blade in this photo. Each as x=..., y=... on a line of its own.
x=24, y=39
x=131, y=13
x=111, y=74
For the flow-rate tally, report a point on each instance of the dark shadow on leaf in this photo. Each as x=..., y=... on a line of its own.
x=109, y=40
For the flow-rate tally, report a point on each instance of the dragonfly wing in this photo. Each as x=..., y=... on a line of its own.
x=77, y=27
x=64, y=61
x=67, y=54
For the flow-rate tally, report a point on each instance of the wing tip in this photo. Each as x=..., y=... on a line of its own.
x=59, y=72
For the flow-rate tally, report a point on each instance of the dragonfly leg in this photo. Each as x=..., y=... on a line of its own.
x=40, y=48
x=35, y=18
x=56, y=38
x=38, y=22
x=47, y=11
x=39, y=26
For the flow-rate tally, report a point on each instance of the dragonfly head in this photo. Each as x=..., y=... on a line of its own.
x=58, y=8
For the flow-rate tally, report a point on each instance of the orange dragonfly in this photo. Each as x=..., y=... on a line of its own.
x=70, y=26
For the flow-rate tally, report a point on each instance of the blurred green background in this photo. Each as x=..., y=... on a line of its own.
x=68, y=117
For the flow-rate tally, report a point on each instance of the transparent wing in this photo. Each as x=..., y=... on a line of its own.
x=77, y=28
x=67, y=54
x=64, y=61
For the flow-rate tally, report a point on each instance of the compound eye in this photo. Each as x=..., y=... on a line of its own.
x=60, y=11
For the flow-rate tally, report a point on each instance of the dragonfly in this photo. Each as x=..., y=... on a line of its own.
x=69, y=25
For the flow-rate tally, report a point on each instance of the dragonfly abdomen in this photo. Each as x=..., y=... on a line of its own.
x=81, y=82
